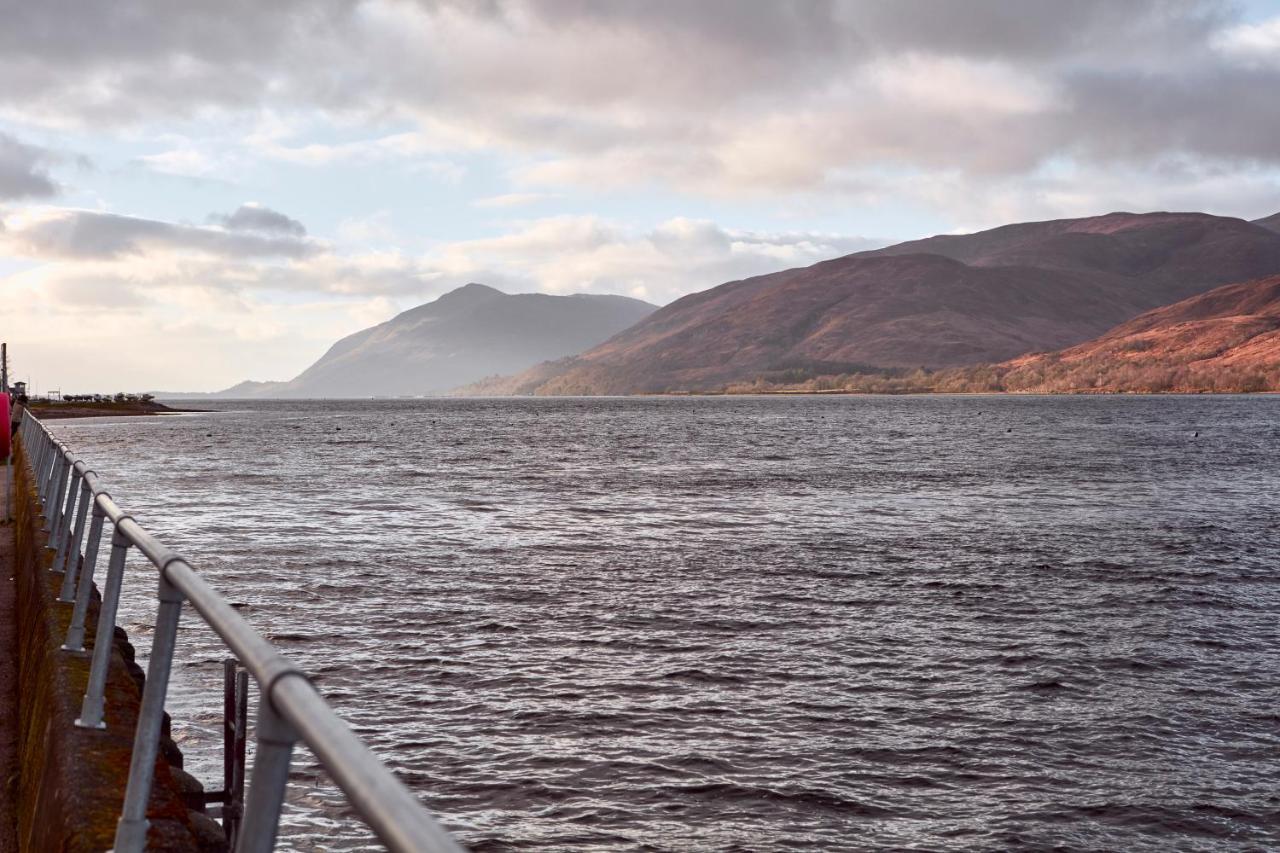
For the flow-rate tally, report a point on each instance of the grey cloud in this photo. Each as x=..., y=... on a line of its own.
x=642, y=90
x=89, y=235
x=23, y=170
x=1039, y=30
x=259, y=219
x=1228, y=113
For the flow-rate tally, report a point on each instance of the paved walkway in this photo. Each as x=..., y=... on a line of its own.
x=8, y=684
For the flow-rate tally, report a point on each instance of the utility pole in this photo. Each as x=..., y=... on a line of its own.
x=7, y=427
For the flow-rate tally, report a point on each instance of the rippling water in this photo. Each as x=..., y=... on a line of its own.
x=749, y=623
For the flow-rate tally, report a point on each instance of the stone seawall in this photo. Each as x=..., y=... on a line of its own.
x=71, y=780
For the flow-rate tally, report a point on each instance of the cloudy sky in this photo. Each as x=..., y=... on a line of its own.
x=193, y=193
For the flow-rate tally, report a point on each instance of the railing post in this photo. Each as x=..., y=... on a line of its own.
x=41, y=467
x=242, y=744
x=270, y=775
x=49, y=470
x=75, y=632
x=104, y=640
x=37, y=451
x=235, y=705
x=66, y=499
x=131, y=831
x=71, y=549
x=51, y=508
x=64, y=531
x=228, y=725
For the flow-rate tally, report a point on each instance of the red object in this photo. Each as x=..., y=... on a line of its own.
x=4, y=433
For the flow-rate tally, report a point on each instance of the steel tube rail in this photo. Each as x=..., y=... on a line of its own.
x=290, y=709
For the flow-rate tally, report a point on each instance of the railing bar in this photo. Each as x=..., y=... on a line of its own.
x=391, y=811
x=290, y=707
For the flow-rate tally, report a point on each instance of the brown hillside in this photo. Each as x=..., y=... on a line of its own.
x=1225, y=340
x=942, y=302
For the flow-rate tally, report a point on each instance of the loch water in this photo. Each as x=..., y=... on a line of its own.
x=747, y=623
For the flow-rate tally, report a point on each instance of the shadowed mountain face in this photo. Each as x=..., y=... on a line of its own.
x=465, y=335
x=941, y=302
x=1271, y=222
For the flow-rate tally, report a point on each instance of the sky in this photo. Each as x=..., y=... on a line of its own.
x=193, y=194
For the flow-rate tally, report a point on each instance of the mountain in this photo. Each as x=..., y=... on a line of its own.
x=1271, y=222
x=465, y=335
x=1225, y=340
x=941, y=302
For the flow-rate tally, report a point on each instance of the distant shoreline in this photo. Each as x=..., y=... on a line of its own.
x=64, y=411
x=835, y=392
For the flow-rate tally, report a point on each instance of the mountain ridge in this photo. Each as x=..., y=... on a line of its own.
x=941, y=302
x=462, y=336
x=1271, y=222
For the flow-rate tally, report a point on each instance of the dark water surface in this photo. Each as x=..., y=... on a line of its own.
x=749, y=623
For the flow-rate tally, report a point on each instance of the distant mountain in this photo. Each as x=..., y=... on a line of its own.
x=239, y=391
x=1225, y=340
x=464, y=336
x=941, y=302
x=1271, y=222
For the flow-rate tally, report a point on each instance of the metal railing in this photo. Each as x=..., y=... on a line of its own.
x=289, y=708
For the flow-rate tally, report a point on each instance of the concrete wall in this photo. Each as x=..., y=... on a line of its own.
x=71, y=780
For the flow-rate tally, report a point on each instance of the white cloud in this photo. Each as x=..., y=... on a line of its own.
x=568, y=254
x=1256, y=44
x=365, y=231
x=511, y=200
x=256, y=288
x=182, y=162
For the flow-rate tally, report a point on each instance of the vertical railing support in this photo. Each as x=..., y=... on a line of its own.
x=46, y=469
x=104, y=640
x=44, y=454
x=84, y=586
x=39, y=454
x=270, y=775
x=71, y=550
x=63, y=537
x=131, y=831
x=66, y=499
x=53, y=505
x=242, y=745
x=235, y=705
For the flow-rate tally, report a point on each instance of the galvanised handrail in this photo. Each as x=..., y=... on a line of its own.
x=289, y=707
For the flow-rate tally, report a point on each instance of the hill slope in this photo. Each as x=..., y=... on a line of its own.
x=465, y=335
x=1271, y=222
x=941, y=302
x=1225, y=340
